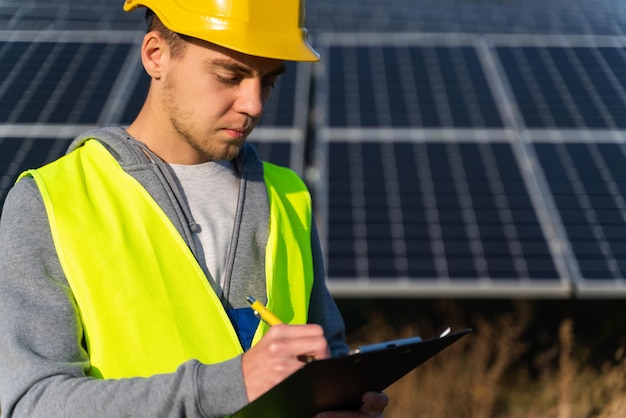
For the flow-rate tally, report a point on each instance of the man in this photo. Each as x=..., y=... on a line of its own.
x=125, y=264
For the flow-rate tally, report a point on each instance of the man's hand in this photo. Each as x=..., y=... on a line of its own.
x=374, y=403
x=276, y=356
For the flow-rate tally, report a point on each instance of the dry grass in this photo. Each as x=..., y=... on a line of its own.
x=487, y=374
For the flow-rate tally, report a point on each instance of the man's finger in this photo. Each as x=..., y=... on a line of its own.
x=374, y=402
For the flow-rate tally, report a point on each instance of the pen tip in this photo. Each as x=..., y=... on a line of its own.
x=250, y=299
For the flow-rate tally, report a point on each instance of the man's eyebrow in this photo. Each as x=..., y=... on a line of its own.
x=231, y=66
x=242, y=69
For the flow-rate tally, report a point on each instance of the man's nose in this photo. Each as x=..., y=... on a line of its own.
x=251, y=99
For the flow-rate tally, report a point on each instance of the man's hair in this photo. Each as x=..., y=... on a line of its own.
x=175, y=41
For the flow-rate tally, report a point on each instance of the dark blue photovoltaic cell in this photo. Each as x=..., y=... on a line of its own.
x=58, y=59
x=398, y=114
x=420, y=258
x=457, y=244
x=537, y=96
x=57, y=82
x=85, y=97
x=341, y=258
x=16, y=54
x=136, y=99
x=336, y=107
x=10, y=52
x=489, y=112
x=600, y=77
x=275, y=152
x=279, y=109
x=368, y=103
x=428, y=115
x=587, y=183
x=40, y=152
x=409, y=87
x=565, y=87
x=525, y=100
x=455, y=96
x=386, y=200
x=569, y=72
x=381, y=256
x=615, y=59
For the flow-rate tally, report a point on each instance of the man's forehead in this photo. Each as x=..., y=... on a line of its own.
x=243, y=63
x=245, y=59
x=274, y=68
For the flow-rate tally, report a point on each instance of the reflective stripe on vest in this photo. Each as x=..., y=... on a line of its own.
x=145, y=304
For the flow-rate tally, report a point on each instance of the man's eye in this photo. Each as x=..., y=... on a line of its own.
x=229, y=81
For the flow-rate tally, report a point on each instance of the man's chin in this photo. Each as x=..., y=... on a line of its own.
x=228, y=152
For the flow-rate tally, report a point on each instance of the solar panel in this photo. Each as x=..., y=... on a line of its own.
x=414, y=86
x=588, y=182
x=57, y=82
x=427, y=213
x=456, y=205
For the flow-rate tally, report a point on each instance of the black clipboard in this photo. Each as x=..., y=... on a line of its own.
x=338, y=383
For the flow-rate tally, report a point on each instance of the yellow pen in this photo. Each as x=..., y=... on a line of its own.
x=268, y=317
x=265, y=314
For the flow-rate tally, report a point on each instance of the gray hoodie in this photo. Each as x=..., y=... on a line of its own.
x=42, y=357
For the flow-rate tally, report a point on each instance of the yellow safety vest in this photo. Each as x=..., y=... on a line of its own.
x=145, y=304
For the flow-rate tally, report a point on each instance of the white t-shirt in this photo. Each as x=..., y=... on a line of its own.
x=211, y=190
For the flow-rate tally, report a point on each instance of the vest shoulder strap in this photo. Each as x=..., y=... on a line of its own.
x=288, y=261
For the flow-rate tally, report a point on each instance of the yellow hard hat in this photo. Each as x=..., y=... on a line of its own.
x=264, y=28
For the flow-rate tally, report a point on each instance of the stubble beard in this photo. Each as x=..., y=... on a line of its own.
x=208, y=148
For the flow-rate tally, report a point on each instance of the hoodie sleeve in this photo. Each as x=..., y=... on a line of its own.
x=322, y=308
x=43, y=362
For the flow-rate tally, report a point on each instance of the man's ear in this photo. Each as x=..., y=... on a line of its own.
x=153, y=50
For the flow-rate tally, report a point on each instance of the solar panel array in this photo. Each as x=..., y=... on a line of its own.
x=598, y=17
x=442, y=164
x=473, y=165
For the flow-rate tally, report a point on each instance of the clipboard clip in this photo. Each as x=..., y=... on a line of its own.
x=384, y=345
x=391, y=344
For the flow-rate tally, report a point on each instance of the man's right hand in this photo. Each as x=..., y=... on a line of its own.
x=278, y=354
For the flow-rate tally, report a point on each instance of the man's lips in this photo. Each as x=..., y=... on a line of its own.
x=236, y=133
